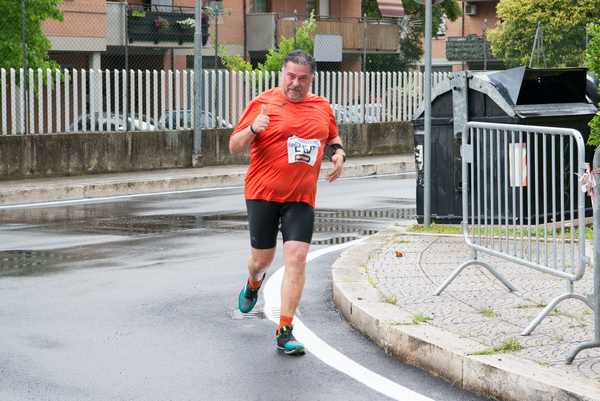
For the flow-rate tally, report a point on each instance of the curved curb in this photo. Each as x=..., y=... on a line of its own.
x=502, y=376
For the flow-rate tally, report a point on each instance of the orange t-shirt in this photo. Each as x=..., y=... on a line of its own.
x=280, y=167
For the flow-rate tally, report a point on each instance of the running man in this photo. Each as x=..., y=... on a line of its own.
x=286, y=130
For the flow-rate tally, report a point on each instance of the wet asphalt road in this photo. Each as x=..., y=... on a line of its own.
x=135, y=300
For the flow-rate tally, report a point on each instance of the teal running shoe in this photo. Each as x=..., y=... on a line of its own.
x=248, y=297
x=287, y=343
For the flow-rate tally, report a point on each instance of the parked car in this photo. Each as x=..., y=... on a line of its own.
x=169, y=118
x=353, y=114
x=103, y=122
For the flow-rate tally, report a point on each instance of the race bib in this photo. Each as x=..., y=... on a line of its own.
x=303, y=150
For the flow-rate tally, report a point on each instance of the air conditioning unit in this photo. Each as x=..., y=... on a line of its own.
x=470, y=9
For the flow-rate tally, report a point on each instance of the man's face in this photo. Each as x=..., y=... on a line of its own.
x=297, y=79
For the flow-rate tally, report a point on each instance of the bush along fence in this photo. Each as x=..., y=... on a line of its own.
x=75, y=101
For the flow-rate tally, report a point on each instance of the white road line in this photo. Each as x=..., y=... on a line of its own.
x=324, y=351
x=111, y=198
x=185, y=191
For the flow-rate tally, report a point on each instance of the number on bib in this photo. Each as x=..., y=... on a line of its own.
x=303, y=150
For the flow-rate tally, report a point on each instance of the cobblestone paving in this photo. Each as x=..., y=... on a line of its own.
x=478, y=306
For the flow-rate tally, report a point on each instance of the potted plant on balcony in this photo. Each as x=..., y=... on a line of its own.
x=138, y=13
x=187, y=24
x=161, y=23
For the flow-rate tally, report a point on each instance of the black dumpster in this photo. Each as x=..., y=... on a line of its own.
x=544, y=97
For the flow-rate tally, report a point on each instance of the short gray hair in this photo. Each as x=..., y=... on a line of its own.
x=300, y=57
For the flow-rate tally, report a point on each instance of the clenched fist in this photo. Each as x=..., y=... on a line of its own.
x=262, y=120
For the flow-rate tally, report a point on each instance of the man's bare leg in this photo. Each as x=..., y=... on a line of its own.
x=294, y=256
x=258, y=263
x=294, y=259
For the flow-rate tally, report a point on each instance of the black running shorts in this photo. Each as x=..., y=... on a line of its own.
x=295, y=219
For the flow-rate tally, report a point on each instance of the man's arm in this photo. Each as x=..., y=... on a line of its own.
x=338, y=158
x=340, y=150
x=240, y=141
x=337, y=140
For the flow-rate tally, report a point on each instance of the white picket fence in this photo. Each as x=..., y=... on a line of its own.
x=73, y=101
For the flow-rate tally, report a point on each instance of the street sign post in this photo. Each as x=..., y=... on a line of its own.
x=427, y=133
x=197, y=147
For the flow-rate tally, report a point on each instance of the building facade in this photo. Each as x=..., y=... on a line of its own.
x=459, y=44
x=156, y=34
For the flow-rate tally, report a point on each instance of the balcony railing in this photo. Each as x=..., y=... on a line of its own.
x=381, y=35
x=160, y=24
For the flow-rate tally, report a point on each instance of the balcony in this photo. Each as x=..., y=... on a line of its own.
x=160, y=24
x=381, y=35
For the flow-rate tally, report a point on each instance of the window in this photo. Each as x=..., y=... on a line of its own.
x=262, y=6
x=311, y=5
x=160, y=5
x=216, y=4
x=323, y=8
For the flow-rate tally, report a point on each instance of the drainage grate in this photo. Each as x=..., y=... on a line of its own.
x=334, y=240
x=379, y=213
x=161, y=224
x=332, y=226
x=24, y=262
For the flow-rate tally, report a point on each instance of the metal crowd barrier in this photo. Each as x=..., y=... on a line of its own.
x=596, y=263
x=521, y=202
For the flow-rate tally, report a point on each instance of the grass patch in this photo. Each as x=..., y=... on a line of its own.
x=487, y=312
x=531, y=306
x=436, y=229
x=390, y=299
x=418, y=319
x=500, y=231
x=544, y=364
x=509, y=345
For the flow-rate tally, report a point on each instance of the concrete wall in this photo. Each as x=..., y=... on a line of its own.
x=79, y=154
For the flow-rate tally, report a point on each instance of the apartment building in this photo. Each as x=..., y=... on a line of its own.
x=154, y=34
x=99, y=34
x=459, y=44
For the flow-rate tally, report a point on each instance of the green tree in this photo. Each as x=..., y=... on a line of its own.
x=413, y=31
x=593, y=50
x=563, y=24
x=233, y=62
x=370, y=8
x=11, y=46
x=302, y=40
x=593, y=63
